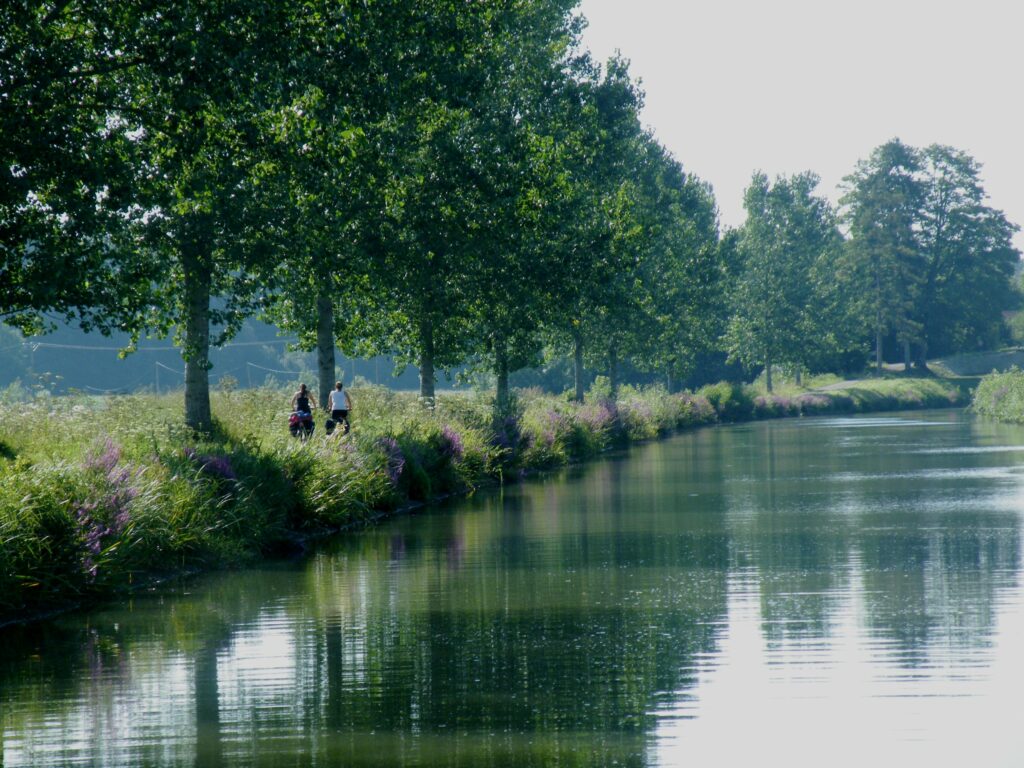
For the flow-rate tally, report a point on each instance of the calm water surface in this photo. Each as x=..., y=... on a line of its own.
x=801, y=593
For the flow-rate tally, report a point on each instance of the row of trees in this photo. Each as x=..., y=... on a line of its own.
x=443, y=181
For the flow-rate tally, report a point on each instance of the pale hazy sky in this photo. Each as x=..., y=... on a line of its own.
x=790, y=85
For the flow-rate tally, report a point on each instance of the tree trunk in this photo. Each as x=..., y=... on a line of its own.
x=577, y=364
x=878, y=349
x=922, y=355
x=768, y=374
x=669, y=382
x=501, y=372
x=878, y=320
x=197, y=344
x=427, y=361
x=906, y=356
x=613, y=371
x=799, y=376
x=325, y=346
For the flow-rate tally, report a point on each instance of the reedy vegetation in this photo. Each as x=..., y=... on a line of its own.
x=97, y=494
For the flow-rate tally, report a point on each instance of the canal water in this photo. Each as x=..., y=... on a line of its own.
x=807, y=592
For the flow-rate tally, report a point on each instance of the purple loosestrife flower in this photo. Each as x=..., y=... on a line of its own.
x=557, y=422
x=507, y=435
x=104, y=458
x=596, y=417
x=697, y=405
x=395, y=458
x=451, y=444
x=218, y=466
x=107, y=514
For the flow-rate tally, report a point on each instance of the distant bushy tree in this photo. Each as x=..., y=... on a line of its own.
x=788, y=232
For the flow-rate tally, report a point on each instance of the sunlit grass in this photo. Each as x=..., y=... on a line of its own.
x=98, y=493
x=786, y=385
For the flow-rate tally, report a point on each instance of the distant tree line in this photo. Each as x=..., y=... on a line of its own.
x=448, y=182
x=914, y=255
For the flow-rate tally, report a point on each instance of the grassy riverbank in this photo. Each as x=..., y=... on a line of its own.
x=100, y=494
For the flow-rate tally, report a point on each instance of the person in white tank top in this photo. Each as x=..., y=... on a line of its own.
x=340, y=404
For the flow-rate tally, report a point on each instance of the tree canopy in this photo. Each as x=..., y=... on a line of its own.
x=450, y=183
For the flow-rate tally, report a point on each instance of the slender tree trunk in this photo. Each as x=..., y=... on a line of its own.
x=427, y=360
x=878, y=320
x=878, y=349
x=669, y=382
x=197, y=343
x=613, y=371
x=768, y=373
x=799, y=376
x=501, y=372
x=906, y=356
x=577, y=364
x=325, y=345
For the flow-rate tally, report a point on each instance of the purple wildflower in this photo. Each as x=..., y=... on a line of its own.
x=105, y=458
x=218, y=466
x=106, y=515
x=507, y=434
x=395, y=458
x=451, y=444
x=697, y=406
x=597, y=418
x=95, y=533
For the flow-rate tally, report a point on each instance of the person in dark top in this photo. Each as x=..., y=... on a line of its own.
x=301, y=401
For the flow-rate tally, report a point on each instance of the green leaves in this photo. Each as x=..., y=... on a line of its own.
x=934, y=261
x=788, y=232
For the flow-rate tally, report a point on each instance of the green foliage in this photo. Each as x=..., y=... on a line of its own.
x=731, y=401
x=777, y=298
x=1000, y=396
x=922, y=244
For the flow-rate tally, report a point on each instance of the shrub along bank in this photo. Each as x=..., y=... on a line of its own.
x=1001, y=396
x=99, y=494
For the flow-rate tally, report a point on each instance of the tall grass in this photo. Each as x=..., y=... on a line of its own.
x=97, y=494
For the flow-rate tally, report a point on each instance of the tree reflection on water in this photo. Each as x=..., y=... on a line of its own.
x=553, y=621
